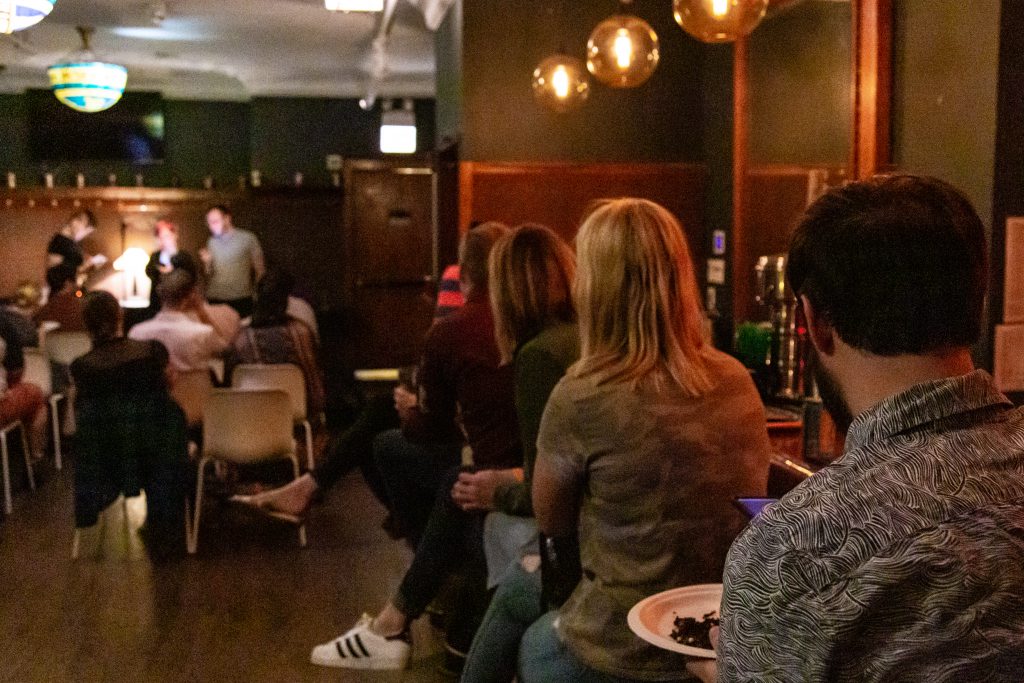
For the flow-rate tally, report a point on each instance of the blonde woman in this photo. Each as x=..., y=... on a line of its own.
x=642, y=447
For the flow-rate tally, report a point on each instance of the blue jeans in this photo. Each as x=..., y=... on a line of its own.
x=515, y=605
x=544, y=658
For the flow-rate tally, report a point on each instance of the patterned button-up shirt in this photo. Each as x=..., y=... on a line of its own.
x=901, y=561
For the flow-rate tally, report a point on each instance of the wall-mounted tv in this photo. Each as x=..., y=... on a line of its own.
x=132, y=130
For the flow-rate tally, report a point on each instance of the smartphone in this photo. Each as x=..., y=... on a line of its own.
x=752, y=507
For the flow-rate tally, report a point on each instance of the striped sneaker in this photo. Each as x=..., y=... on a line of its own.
x=361, y=648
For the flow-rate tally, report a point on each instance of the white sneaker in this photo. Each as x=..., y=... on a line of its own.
x=360, y=648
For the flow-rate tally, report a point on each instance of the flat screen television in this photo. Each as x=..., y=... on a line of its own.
x=131, y=131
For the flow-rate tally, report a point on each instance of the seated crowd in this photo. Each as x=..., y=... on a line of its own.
x=571, y=444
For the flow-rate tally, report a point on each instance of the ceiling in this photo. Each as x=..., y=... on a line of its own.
x=228, y=49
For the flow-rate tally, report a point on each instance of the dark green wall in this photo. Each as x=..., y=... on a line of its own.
x=504, y=41
x=946, y=66
x=800, y=86
x=279, y=136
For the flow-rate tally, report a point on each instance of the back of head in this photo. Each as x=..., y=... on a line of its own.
x=270, y=308
x=58, y=276
x=531, y=273
x=897, y=265
x=474, y=251
x=176, y=287
x=636, y=296
x=102, y=315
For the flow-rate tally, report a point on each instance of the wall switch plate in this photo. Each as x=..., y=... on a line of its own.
x=716, y=271
x=718, y=242
x=333, y=162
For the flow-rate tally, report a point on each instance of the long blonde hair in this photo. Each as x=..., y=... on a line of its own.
x=531, y=272
x=636, y=294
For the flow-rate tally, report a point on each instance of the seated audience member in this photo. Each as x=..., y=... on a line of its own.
x=461, y=370
x=165, y=259
x=65, y=303
x=350, y=449
x=531, y=274
x=183, y=325
x=131, y=434
x=272, y=337
x=903, y=559
x=20, y=400
x=17, y=326
x=643, y=446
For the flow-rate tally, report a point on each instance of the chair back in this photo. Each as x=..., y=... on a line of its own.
x=244, y=425
x=38, y=371
x=64, y=346
x=284, y=376
x=191, y=390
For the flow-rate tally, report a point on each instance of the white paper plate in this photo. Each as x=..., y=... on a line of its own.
x=653, y=618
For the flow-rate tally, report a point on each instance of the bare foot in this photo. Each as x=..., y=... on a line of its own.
x=294, y=498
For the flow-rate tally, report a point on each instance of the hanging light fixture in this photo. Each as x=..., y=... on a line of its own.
x=622, y=51
x=16, y=15
x=719, y=21
x=85, y=84
x=398, y=128
x=354, y=5
x=560, y=83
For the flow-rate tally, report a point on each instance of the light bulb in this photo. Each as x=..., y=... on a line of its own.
x=622, y=51
x=560, y=83
x=719, y=21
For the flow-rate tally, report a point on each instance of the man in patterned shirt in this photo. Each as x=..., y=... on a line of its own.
x=904, y=559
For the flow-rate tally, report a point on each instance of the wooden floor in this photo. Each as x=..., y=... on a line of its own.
x=248, y=607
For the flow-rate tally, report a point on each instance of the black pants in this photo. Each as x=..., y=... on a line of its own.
x=354, y=447
x=452, y=542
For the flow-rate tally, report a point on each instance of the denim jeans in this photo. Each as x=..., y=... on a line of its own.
x=515, y=605
x=543, y=658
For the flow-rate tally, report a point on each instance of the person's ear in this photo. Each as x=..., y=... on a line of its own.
x=820, y=331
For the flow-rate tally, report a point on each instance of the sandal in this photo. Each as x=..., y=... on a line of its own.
x=267, y=508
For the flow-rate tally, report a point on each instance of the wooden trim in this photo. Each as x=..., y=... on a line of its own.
x=872, y=39
x=740, y=143
x=467, y=169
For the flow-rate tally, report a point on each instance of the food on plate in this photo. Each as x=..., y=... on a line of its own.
x=694, y=633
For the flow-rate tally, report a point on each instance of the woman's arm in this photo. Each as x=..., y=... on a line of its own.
x=560, y=470
x=556, y=499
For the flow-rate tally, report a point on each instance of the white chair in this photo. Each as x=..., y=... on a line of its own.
x=63, y=346
x=38, y=372
x=286, y=377
x=5, y=455
x=190, y=391
x=244, y=427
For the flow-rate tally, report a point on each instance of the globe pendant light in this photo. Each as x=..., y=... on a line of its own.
x=560, y=83
x=85, y=84
x=622, y=51
x=16, y=15
x=719, y=21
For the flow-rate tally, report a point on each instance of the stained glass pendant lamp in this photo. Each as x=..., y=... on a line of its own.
x=86, y=84
x=16, y=15
x=560, y=83
x=622, y=51
x=719, y=21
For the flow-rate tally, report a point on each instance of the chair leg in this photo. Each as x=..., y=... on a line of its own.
x=28, y=458
x=76, y=541
x=8, y=507
x=302, y=527
x=309, y=444
x=58, y=459
x=194, y=544
x=189, y=545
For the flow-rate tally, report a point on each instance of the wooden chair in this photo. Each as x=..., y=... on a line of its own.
x=6, y=463
x=38, y=372
x=286, y=377
x=243, y=427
